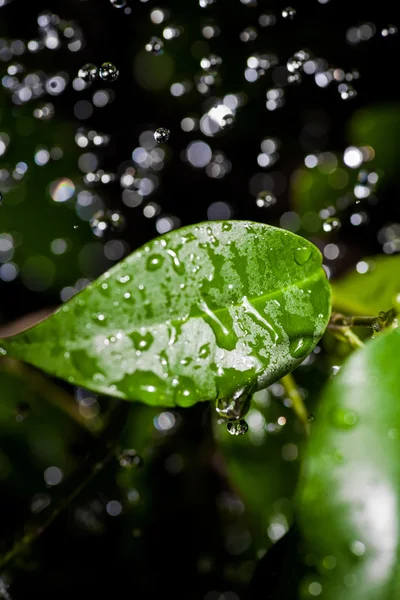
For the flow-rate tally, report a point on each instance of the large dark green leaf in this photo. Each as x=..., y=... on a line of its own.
x=196, y=314
x=370, y=292
x=349, y=498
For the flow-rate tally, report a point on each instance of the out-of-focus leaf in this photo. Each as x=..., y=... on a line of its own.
x=370, y=292
x=263, y=466
x=313, y=189
x=30, y=215
x=378, y=126
x=348, y=503
x=197, y=314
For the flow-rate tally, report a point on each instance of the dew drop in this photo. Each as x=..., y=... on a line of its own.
x=302, y=255
x=130, y=458
x=108, y=72
x=88, y=73
x=343, y=419
x=331, y=224
x=237, y=427
x=155, y=45
x=154, y=262
x=265, y=199
x=161, y=135
x=288, y=13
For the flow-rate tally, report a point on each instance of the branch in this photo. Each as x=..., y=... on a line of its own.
x=296, y=398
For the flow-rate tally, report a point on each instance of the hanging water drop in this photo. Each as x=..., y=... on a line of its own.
x=265, y=199
x=88, y=73
x=118, y=3
x=155, y=46
x=310, y=418
x=237, y=427
x=130, y=458
x=108, y=72
x=331, y=224
x=161, y=135
x=288, y=13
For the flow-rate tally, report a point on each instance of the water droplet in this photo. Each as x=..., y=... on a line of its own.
x=297, y=61
x=389, y=30
x=331, y=224
x=154, y=262
x=300, y=346
x=88, y=72
x=248, y=35
x=343, y=419
x=357, y=548
x=211, y=62
x=237, y=427
x=227, y=122
x=310, y=418
x=108, y=72
x=205, y=351
x=118, y=3
x=265, y=199
x=235, y=407
x=288, y=13
x=104, y=222
x=302, y=255
x=155, y=45
x=130, y=458
x=161, y=135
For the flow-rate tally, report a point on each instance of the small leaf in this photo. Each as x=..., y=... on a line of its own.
x=369, y=292
x=349, y=497
x=194, y=315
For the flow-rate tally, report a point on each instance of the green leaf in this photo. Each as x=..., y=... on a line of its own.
x=195, y=315
x=378, y=126
x=370, y=292
x=349, y=496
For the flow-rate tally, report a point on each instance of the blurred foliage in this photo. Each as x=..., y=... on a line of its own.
x=374, y=289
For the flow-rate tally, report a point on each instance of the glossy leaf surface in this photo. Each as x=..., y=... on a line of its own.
x=197, y=314
x=349, y=498
x=370, y=292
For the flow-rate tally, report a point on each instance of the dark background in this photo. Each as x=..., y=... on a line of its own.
x=175, y=543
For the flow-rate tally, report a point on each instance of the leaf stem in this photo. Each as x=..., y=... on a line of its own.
x=296, y=398
x=347, y=335
x=53, y=393
x=103, y=450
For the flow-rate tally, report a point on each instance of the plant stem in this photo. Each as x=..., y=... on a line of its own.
x=352, y=321
x=296, y=398
x=44, y=386
x=103, y=450
x=346, y=334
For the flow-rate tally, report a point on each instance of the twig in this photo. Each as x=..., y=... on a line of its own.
x=347, y=335
x=44, y=386
x=296, y=398
x=103, y=450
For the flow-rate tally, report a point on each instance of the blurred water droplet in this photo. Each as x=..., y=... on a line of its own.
x=103, y=222
x=161, y=135
x=310, y=418
x=118, y=3
x=296, y=62
x=343, y=419
x=302, y=255
x=155, y=45
x=108, y=72
x=389, y=30
x=288, y=13
x=88, y=72
x=211, y=62
x=331, y=224
x=265, y=199
x=237, y=427
x=130, y=458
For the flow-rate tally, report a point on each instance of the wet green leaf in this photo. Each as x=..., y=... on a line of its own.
x=349, y=498
x=196, y=314
x=370, y=292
